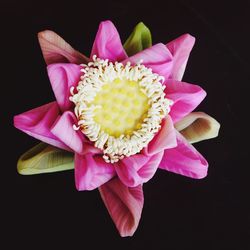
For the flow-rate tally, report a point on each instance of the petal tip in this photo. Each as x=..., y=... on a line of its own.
x=44, y=33
x=203, y=93
x=106, y=22
x=128, y=233
x=20, y=120
x=15, y=121
x=189, y=37
x=202, y=174
x=141, y=25
x=77, y=186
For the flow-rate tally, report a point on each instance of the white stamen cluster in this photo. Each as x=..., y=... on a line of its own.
x=96, y=74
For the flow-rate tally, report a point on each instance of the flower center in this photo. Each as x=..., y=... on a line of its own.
x=119, y=107
x=123, y=106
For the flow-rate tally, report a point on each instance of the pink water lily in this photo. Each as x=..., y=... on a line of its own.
x=120, y=183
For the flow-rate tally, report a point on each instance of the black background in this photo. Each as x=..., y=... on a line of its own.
x=179, y=213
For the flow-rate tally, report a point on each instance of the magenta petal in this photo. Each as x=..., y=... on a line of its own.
x=107, y=44
x=184, y=159
x=38, y=122
x=62, y=77
x=180, y=48
x=91, y=171
x=124, y=205
x=186, y=98
x=63, y=130
x=164, y=139
x=137, y=169
x=157, y=57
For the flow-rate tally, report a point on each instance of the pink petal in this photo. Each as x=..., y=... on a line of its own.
x=38, y=122
x=56, y=50
x=164, y=139
x=107, y=44
x=63, y=130
x=138, y=169
x=124, y=205
x=186, y=98
x=157, y=57
x=180, y=49
x=91, y=171
x=62, y=77
x=89, y=147
x=184, y=160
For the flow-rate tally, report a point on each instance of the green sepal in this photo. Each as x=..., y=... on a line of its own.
x=139, y=39
x=44, y=158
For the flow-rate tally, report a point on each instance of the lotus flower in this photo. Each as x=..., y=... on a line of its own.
x=120, y=181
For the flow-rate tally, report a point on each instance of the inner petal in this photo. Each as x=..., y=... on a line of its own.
x=122, y=107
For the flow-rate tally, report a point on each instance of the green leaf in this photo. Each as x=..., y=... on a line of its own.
x=140, y=39
x=44, y=158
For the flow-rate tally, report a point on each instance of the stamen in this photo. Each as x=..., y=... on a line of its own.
x=98, y=79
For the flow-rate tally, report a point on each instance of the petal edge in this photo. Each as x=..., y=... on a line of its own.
x=184, y=160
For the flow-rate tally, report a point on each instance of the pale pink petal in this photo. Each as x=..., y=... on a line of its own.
x=62, y=77
x=164, y=139
x=186, y=98
x=180, y=49
x=38, y=122
x=56, y=50
x=124, y=205
x=107, y=44
x=91, y=171
x=63, y=130
x=137, y=169
x=184, y=159
x=157, y=57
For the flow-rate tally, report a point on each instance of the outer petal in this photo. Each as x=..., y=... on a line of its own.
x=184, y=160
x=157, y=57
x=138, y=169
x=38, y=122
x=62, y=77
x=164, y=139
x=63, y=130
x=180, y=49
x=124, y=205
x=107, y=44
x=186, y=98
x=198, y=126
x=91, y=171
x=56, y=50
